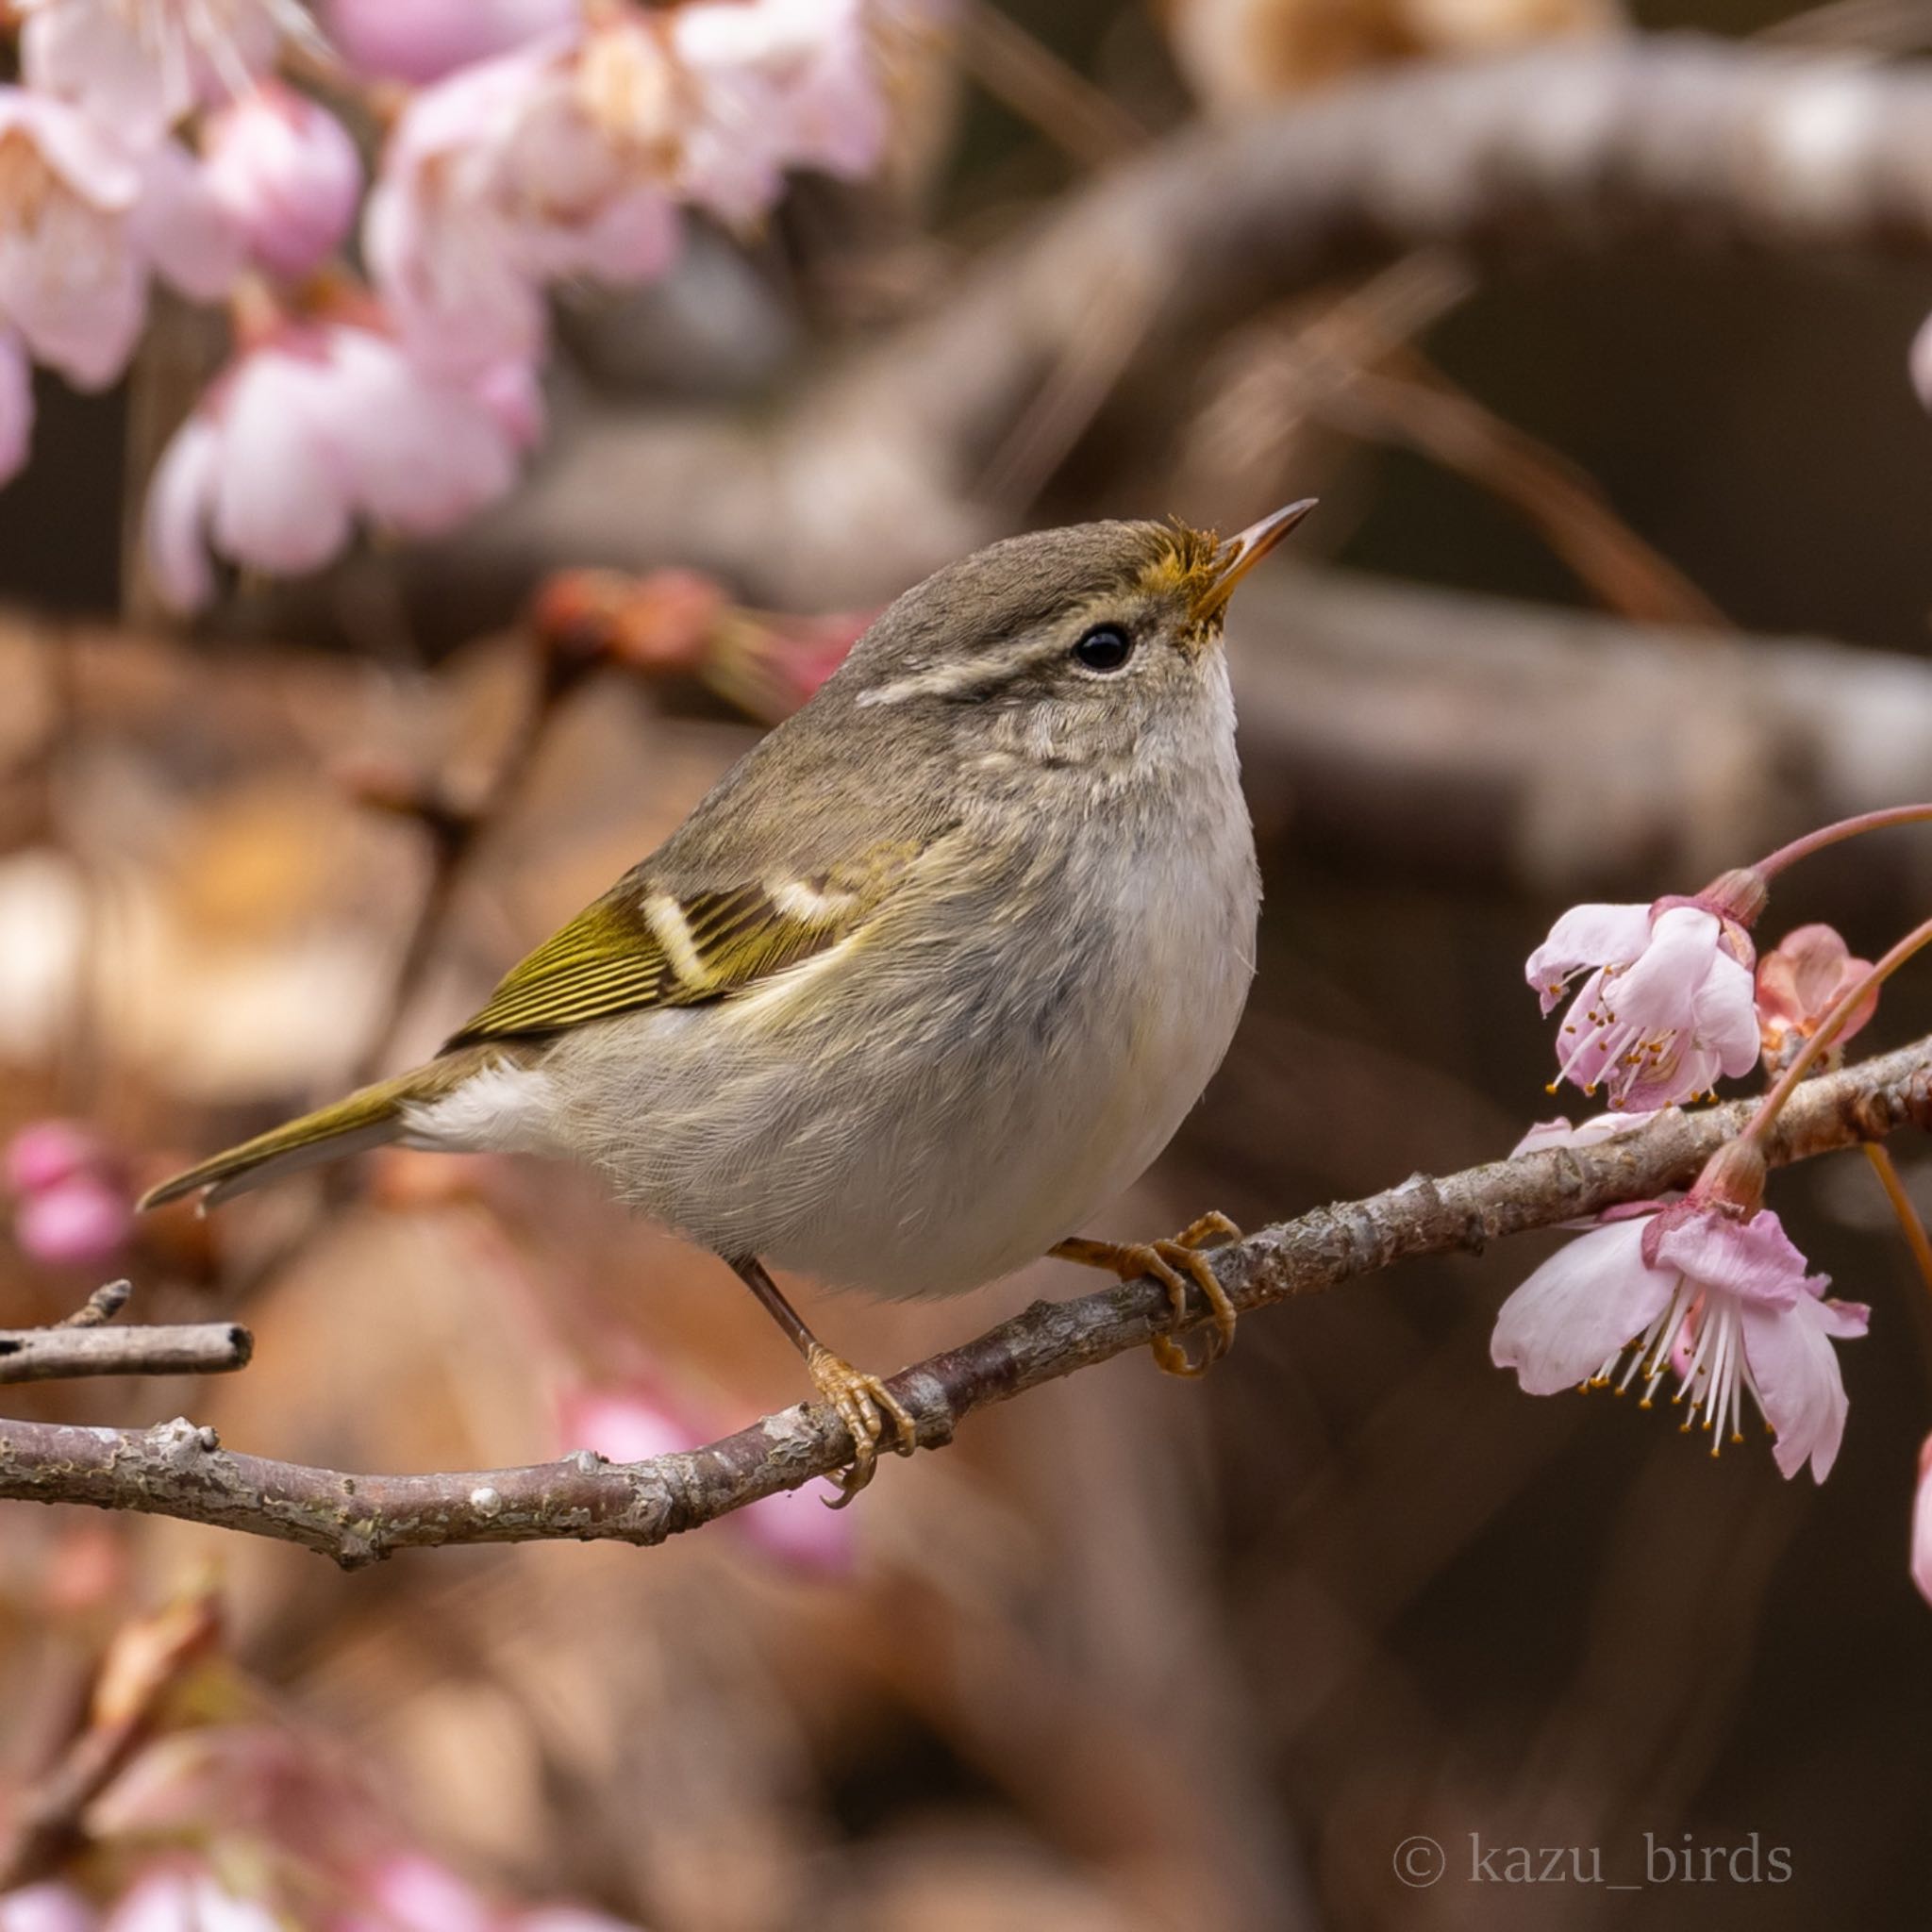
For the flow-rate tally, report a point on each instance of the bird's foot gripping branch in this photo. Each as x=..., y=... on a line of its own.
x=1708, y=1293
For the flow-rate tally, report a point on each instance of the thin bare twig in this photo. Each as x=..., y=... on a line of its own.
x=143, y=1662
x=179, y=1470
x=63, y=1354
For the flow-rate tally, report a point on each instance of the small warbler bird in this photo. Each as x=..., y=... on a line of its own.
x=933, y=972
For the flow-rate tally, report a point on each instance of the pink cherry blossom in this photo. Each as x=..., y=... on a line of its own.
x=16, y=406
x=1722, y=1300
x=83, y=222
x=410, y=1892
x=635, y=1420
x=542, y=164
x=1922, y=1530
x=1797, y=983
x=1668, y=1005
x=287, y=174
x=1591, y=1133
x=44, y=1152
x=45, y=1908
x=315, y=427
x=188, y=1899
x=780, y=84
x=424, y=41
x=628, y=1423
x=77, y=1222
x=138, y=66
x=560, y=1919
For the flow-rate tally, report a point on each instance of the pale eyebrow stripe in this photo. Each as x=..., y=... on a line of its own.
x=958, y=676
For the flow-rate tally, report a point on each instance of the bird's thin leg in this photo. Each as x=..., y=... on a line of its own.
x=1167, y=1260
x=862, y=1402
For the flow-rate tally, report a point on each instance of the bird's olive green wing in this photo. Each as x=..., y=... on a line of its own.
x=641, y=945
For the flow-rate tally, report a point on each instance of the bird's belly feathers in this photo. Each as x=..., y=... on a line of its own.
x=929, y=1116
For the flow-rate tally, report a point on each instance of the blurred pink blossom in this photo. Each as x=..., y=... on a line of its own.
x=45, y=1152
x=138, y=66
x=1669, y=1003
x=287, y=174
x=1729, y=1288
x=16, y=406
x=779, y=84
x=74, y=1223
x=188, y=1898
x=83, y=220
x=72, y=1210
x=424, y=41
x=1797, y=982
x=561, y=1919
x=511, y=174
x=1922, y=1529
x=45, y=1908
x=632, y=1420
x=315, y=426
x=627, y=1423
x=410, y=1892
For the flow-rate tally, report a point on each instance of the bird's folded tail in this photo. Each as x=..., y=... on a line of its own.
x=369, y=1118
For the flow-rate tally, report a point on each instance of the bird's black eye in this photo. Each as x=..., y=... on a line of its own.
x=1105, y=647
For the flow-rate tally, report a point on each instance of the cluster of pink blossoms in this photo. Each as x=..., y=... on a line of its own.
x=1705, y=1297
x=404, y=1892
x=536, y=141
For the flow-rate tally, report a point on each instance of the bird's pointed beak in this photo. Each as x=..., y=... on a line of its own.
x=1244, y=550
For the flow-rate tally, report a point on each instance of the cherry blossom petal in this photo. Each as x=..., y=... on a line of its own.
x=188, y=1901
x=85, y=53
x=45, y=1153
x=1921, y=1534
x=422, y=40
x=1579, y=1308
x=182, y=228
x=1591, y=1133
x=76, y=1223
x=1723, y=1015
x=625, y=1424
x=1593, y=935
x=174, y=519
x=410, y=1893
x=280, y=502
x=423, y=455
x=1752, y=1260
x=1795, y=1370
x=45, y=1908
x=16, y=406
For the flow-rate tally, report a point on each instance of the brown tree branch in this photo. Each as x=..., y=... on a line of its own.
x=179, y=1470
x=192, y=1348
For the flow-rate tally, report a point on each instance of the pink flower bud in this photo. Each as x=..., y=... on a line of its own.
x=77, y=1222
x=48, y=1152
x=287, y=173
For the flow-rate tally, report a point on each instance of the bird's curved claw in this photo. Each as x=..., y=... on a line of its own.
x=1174, y=1262
x=865, y=1405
